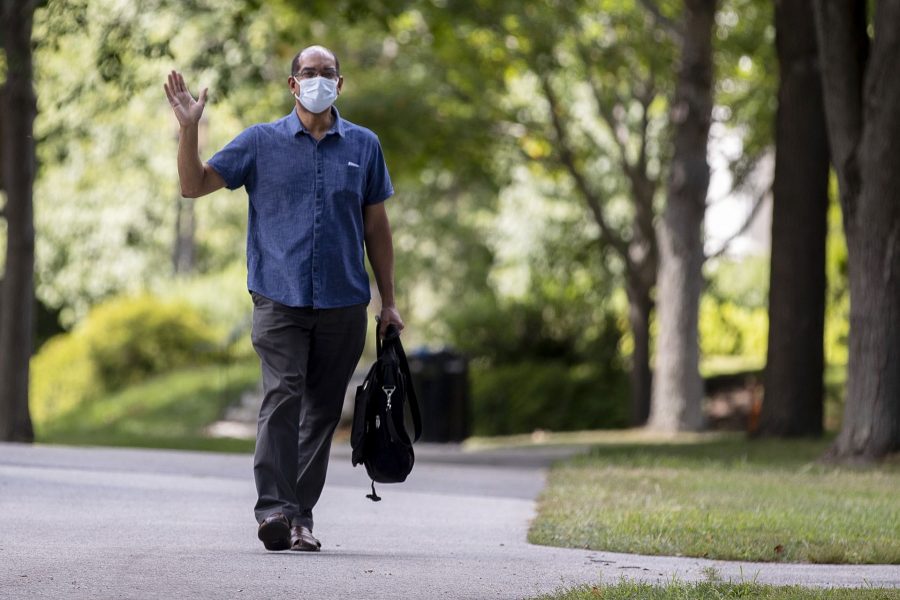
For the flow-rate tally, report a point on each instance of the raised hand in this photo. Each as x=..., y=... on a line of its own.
x=187, y=110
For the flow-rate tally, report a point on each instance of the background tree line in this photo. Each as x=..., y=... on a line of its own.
x=593, y=117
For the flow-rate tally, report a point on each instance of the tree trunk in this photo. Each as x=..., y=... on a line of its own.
x=640, y=306
x=677, y=387
x=862, y=95
x=16, y=309
x=793, y=381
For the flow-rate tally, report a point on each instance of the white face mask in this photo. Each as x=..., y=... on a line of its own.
x=317, y=94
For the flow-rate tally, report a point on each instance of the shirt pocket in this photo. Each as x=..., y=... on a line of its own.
x=349, y=180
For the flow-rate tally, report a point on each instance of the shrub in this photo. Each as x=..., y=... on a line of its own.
x=62, y=376
x=120, y=342
x=223, y=300
x=727, y=328
x=131, y=338
x=524, y=396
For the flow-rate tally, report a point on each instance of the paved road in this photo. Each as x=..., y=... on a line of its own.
x=116, y=523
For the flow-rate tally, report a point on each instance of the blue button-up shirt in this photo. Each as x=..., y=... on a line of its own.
x=305, y=242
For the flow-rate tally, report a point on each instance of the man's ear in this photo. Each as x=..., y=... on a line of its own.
x=340, y=85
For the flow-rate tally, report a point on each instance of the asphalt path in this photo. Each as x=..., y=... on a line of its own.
x=125, y=523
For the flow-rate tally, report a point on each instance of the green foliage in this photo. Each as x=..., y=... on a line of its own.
x=837, y=299
x=121, y=342
x=727, y=328
x=733, y=311
x=542, y=329
x=726, y=498
x=526, y=396
x=63, y=375
x=746, y=79
x=171, y=410
x=548, y=357
x=743, y=281
x=129, y=339
x=550, y=365
x=222, y=298
x=533, y=328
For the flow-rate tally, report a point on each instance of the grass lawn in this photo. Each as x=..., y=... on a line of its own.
x=717, y=591
x=722, y=497
x=169, y=411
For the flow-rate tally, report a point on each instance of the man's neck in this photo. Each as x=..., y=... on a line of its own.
x=316, y=124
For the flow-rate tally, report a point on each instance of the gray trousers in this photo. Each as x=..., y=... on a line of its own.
x=307, y=357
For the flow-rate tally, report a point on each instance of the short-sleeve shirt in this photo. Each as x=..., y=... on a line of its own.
x=305, y=243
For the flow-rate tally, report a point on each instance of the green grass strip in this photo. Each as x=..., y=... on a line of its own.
x=717, y=591
x=730, y=499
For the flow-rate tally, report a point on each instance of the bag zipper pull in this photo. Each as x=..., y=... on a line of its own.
x=389, y=391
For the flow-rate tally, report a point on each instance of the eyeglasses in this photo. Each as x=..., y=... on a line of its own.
x=309, y=73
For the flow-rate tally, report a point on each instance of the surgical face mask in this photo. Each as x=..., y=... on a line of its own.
x=317, y=94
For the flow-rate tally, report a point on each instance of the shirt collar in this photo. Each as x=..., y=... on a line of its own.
x=295, y=125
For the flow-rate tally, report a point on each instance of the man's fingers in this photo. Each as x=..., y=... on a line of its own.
x=203, y=95
x=385, y=323
x=169, y=94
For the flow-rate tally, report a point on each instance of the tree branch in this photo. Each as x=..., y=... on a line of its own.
x=646, y=99
x=757, y=204
x=669, y=26
x=567, y=158
x=606, y=112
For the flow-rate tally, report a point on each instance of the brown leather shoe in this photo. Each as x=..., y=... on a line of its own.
x=302, y=540
x=275, y=532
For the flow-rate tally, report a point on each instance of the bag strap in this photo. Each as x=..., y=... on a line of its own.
x=392, y=337
x=410, y=391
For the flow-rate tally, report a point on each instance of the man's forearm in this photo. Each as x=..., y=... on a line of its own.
x=190, y=169
x=381, y=255
x=380, y=249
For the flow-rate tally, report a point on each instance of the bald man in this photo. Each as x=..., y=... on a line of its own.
x=317, y=185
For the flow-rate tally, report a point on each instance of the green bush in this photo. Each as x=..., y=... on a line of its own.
x=120, y=342
x=548, y=359
x=729, y=329
x=62, y=376
x=132, y=338
x=524, y=396
x=223, y=300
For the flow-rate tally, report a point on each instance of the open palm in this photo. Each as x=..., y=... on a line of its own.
x=187, y=110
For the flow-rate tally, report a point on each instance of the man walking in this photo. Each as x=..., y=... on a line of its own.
x=317, y=185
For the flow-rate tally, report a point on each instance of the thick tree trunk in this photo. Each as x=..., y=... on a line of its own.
x=640, y=306
x=794, y=369
x=16, y=309
x=862, y=96
x=677, y=387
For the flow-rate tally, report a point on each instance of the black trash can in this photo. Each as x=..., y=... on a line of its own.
x=441, y=380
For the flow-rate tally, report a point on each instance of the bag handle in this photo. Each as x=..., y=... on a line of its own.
x=392, y=337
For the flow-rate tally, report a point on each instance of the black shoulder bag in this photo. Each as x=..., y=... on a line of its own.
x=379, y=438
